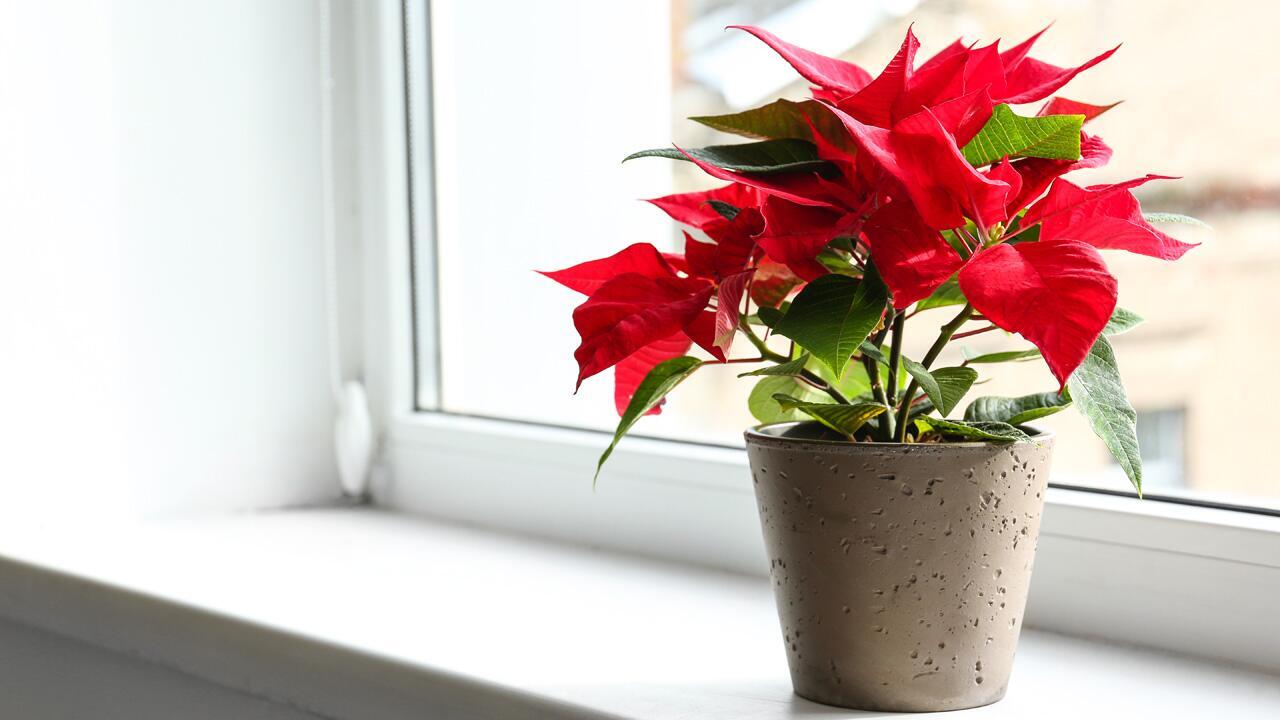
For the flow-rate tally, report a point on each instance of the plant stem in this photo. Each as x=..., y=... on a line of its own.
x=765, y=352
x=815, y=380
x=877, y=390
x=971, y=333
x=944, y=336
x=895, y=358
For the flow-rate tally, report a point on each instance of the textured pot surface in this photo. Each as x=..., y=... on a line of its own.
x=900, y=571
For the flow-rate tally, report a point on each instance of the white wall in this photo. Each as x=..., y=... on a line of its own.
x=162, y=336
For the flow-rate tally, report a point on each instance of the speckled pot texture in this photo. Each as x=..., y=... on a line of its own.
x=900, y=571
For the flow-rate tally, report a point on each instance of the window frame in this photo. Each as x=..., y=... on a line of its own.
x=1205, y=577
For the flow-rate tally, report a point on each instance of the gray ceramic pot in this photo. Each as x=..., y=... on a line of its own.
x=900, y=571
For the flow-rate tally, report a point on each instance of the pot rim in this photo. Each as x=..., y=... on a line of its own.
x=760, y=434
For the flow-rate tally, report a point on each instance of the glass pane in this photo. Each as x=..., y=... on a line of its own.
x=534, y=113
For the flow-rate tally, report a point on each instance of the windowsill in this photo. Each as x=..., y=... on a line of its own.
x=359, y=613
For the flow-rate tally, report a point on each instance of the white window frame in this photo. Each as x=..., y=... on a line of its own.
x=1189, y=579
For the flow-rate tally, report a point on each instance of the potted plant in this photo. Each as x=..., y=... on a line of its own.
x=900, y=531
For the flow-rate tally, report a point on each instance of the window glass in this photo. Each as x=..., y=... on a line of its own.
x=534, y=113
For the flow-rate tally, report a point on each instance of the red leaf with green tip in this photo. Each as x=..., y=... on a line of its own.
x=630, y=311
x=1058, y=295
x=695, y=208
x=798, y=187
x=628, y=373
x=836, y=75
x=1105, y=216
x=912, y=258
x=640, y=258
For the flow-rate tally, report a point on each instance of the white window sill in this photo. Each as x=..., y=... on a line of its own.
x=356, y=613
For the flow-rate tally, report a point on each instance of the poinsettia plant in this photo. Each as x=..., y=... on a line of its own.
x=848, y=214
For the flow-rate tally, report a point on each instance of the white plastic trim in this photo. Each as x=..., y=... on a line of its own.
x=1186, y=579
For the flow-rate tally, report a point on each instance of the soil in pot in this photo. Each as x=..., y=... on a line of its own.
x=900, y=571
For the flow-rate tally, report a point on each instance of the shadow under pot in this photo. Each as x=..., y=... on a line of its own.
x=900, y=571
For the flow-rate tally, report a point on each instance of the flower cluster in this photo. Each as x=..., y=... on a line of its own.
x=920, y=187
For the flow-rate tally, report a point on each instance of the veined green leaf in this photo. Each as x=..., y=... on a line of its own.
x=765, y=409
x=655, y=386
x=778, y=120
x=946, y=295
x=1097, y=390
x=1175, y=218
x=833, y=315
x=844, y=419
x=973, y=430
x=793, y=368
x=1056, y=137
x=1121, y=321
x=767, y=156
x=954, y=382
x=1016, y=410
x=944, y=386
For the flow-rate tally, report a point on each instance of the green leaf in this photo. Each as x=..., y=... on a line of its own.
x=1056, y=137
x=973, y=430
x=778, y=120
x=945, y=386
x=946, y=295
x=833, y=315
x=873, y=352
x=1016, y=410
x=793, y=368
x=1027, y=416
x=661, y=380
x=1175, y=218
x=1097, y=390
x=768, y=156
x=954, y=382
x=769, y=316
x=1121, y=321
x=844, y=419
x=1005, y=356
x=765, y=409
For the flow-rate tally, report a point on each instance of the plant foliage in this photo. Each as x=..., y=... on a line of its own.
x=848, y=213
